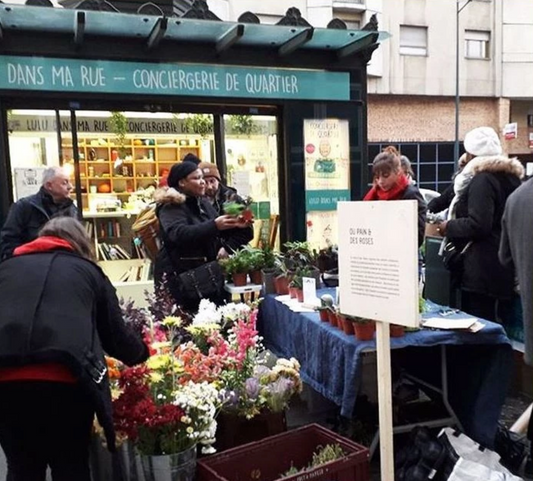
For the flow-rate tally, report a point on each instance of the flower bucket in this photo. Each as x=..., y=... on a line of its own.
x=347, y=325
x=256, y=277
x=239, y=279
x=282, y=285
x=323, y=313
x=333, y=320
x=396, y=330
x=170, y=467
x=293, y=292
x=234, y=430
x=300, y=295
x=364, y=331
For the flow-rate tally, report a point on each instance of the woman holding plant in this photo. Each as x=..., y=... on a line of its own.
x=192, y=232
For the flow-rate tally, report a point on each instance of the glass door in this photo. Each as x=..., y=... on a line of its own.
x=251, y=155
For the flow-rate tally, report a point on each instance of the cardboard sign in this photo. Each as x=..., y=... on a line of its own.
x=378, y=261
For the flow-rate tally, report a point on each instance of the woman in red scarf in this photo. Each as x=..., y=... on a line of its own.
x=390, y=183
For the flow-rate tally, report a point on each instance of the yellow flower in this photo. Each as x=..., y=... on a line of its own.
x=158, y=361
x=190, y=430
x=155, y=377
x=172, y=321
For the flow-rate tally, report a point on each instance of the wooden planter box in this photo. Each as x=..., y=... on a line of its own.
x=267, y=460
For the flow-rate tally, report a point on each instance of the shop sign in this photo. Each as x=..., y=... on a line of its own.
x=327, y=176
x=325, y=199
x=378, y=260
x=115, y=77
x=510, y=131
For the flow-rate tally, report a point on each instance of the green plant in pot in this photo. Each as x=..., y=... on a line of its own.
x=255, y=259
x=236, y=266
x=364, y=328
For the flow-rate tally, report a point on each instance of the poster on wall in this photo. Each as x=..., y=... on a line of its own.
x=28, y=181
x=327, y=176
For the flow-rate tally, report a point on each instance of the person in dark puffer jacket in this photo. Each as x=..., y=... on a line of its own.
x=58, y=315
x=489, y=179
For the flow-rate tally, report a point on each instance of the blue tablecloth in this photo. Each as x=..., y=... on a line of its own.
x=331, y=362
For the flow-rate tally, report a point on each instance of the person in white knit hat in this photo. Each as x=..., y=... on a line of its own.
x=474, y=224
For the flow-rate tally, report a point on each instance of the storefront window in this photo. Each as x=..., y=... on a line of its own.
x=33, y=145
x=252, y=169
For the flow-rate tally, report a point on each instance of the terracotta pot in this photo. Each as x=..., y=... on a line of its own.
x=364, y=332
x=292, y=292
x=239, y=278
x=347, y=325
x=282, y=285
x=396, y=331
x=256, y=277
x=323, y=313
x=333, y=320
x=300, y=295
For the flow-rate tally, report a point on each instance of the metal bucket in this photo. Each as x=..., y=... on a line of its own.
x=170, y=467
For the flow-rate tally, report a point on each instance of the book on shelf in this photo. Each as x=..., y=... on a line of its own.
x=137, y=273
x=110, y=252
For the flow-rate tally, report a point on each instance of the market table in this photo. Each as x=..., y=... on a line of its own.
x=478, y=366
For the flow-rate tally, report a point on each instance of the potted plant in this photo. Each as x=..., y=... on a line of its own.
x=236, y=266
x=345, y=323
x=299, y=255
x=295, y=287
x=396, y=330
x=364, y=328
x=256, y=261
x=283, y=276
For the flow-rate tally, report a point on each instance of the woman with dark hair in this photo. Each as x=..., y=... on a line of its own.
x=58, y=315
x=390, y=183
x=192, y=231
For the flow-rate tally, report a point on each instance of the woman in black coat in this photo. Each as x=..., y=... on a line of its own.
x=191, y=230
x=58, y=315
x=491, y=178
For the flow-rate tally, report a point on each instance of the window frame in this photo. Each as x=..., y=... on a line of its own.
x=483, y=42
x=412, y=48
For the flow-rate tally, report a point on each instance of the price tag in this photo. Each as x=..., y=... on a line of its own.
x=309, y=288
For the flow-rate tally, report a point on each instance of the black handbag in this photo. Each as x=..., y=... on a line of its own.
x=205, y=281
x=453, y=257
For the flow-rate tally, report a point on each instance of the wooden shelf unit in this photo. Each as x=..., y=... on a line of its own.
x=144, y=161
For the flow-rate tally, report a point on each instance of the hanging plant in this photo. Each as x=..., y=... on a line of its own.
x=201, y=124
x=242, y=125
x=119, y=126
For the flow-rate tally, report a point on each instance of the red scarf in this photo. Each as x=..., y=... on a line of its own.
x=42, y=244
x=395, y=193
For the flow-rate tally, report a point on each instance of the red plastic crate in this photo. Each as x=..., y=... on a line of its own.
x=268, y=459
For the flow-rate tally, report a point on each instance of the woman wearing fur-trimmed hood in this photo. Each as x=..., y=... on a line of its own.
x=475, y=221
x=192, y=231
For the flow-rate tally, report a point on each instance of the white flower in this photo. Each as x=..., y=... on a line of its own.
x=207, y=314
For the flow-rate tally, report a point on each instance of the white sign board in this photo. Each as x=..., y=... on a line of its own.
x=309, y=290
x=241, y=182
x=378, y=260
x=28, y=181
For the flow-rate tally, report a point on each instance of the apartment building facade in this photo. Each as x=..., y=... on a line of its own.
x=412, y=76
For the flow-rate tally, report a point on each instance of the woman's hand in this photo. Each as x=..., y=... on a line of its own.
x=222, y=254
x=225, y=222
x=441, y=229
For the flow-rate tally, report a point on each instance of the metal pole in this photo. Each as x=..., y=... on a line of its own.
x=456, y=143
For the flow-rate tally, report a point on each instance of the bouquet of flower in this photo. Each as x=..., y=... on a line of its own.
x=157, y=410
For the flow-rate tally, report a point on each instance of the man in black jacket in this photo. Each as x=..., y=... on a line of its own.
x=29, y=214
x=217, y=193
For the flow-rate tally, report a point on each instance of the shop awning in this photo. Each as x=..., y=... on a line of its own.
x=93, y=34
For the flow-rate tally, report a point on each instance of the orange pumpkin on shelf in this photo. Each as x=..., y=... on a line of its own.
x=104, y=188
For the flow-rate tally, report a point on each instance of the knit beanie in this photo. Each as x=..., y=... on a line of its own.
x=483, y=141
x=209, y=170
x=191, y=158
x=180, y=171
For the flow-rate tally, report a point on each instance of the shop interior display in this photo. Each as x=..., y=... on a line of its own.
x=121, y=170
